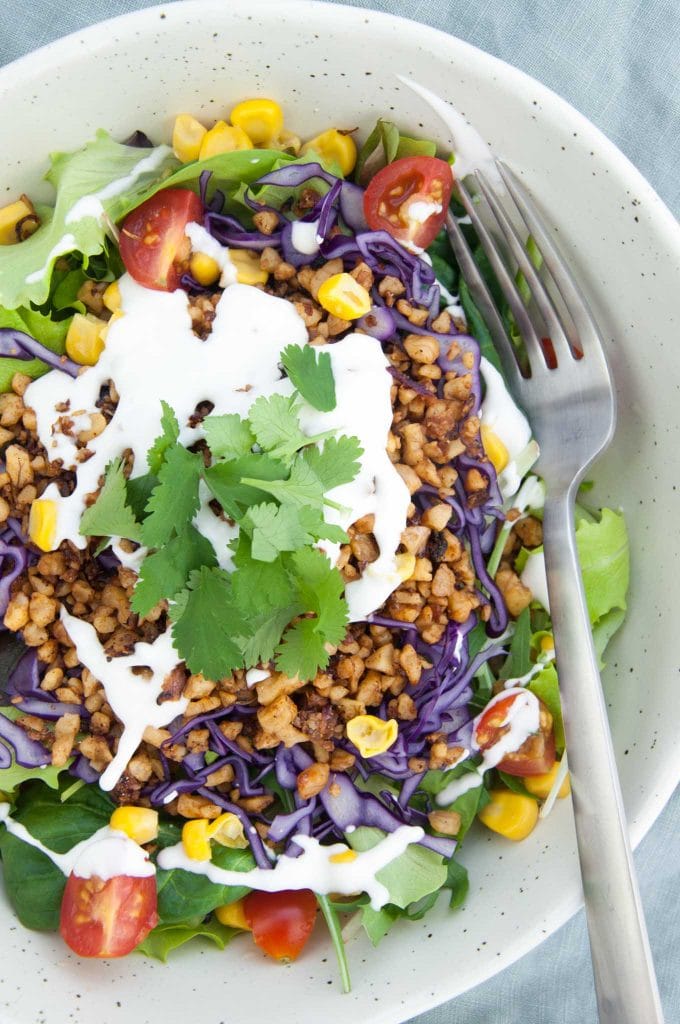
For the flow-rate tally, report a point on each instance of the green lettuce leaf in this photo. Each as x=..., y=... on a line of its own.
x=75, y=175
x=164, y=938
x=50, y=333
x=603, y=553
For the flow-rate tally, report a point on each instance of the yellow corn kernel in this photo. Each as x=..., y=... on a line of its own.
x=233, y=915
x=227, y=830
x=372, y=735
x=346, y=857
x=195, y=839
x=42, y=523
x=495, y=449
x=204, y=268
x=406, y=565
x=287, y=140
x=344, y=297
x=9, y=218
x=512, y=815
x=84, y=341
x=261, y=120
x=187, y=138
x=223, y=138
x=540, y=785
x=139, y=823
x=112, y=297
x=547, y=643
x=334, y=147
x=248, y=269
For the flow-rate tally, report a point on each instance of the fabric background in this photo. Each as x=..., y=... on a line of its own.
x=618, y=62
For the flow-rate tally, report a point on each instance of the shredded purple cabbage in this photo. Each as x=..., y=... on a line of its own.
x=19, y=345
x=18, y=557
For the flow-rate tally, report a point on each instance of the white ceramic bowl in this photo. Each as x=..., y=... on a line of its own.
x=327, y=65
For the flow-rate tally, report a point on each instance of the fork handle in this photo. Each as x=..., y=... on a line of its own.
x=625, y=982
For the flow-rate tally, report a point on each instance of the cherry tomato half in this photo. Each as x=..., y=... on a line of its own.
x=107, y=918
x=536, y=756
x=409, y=198
x=281, y=921
x=153, y=245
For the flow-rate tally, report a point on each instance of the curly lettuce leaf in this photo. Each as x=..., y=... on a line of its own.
x=26, y=268
x=604, y=557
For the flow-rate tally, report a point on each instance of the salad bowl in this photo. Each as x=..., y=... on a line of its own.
x=624, y=247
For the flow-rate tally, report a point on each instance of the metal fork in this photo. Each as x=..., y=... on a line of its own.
x=569, y=400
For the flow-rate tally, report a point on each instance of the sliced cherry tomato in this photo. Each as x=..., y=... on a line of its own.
x=536, y=756
x=281, y=921
x=107, y=918
x=409, y=198
x=153, y=245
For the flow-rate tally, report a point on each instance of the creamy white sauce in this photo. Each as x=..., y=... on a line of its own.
x=256, y=675
x=91, y=205
x=305, y=238
x=105, y=854
x=523, y=719
x=544, y=659
x=217, y=530
x=313, y=869
x=132, y=697
x=501, y=415
x=471, y=151
x=453, y=305
x=535, y=578
x=202, y=241
x=67, y=243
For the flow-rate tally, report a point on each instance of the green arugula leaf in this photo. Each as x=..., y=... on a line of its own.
x=11, y=778
x=337, y=462
x=206, y=620
x=518, y=662
x=332, y=921
x=312, y=374
x=165, y=573
x=458, y=882
x=164, y=938
x=228, y=436
x=168, y=438
x=274, y=528
x=377, y=923
x=110, y=516
x=302, y=488
x=410, y=876
x=174, y=501
x=226, y=482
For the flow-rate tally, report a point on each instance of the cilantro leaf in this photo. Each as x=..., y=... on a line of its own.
x=110, y=516
x=156, y=455
x=317, y=527
x=228, y=436
x=206, y=620
x=258, y=584
x=139, y=490
x=174, y=501
x=337, y=462
x=302, y=488
x=321, y=588
x=274, y=529
x=225, y=480
x=264, y=635
x=165, y=573
x=274, y=421
x=302, y=651
x=312, y=374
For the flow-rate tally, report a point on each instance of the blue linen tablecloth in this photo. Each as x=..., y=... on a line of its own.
x=617, y=62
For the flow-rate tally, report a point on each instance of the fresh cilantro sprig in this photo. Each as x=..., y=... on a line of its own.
x=283, y=600
x=312, y=374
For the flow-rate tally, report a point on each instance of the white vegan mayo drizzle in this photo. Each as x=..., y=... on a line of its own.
x=105, y=854
x=132, y=697
x=501, y=415
x=535, y=578
x=256, y=675
x=91, y=205
x=202, y=241
x=314, y=869
x=522, y=717
x=304, y=237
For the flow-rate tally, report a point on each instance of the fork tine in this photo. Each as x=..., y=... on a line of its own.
x=519, y=311
x=482, y=296
x=569, y=290
x=561, y=343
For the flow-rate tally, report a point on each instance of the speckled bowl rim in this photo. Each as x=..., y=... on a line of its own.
x=53, y=55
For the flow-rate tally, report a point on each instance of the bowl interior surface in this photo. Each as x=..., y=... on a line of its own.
x=330, y=65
